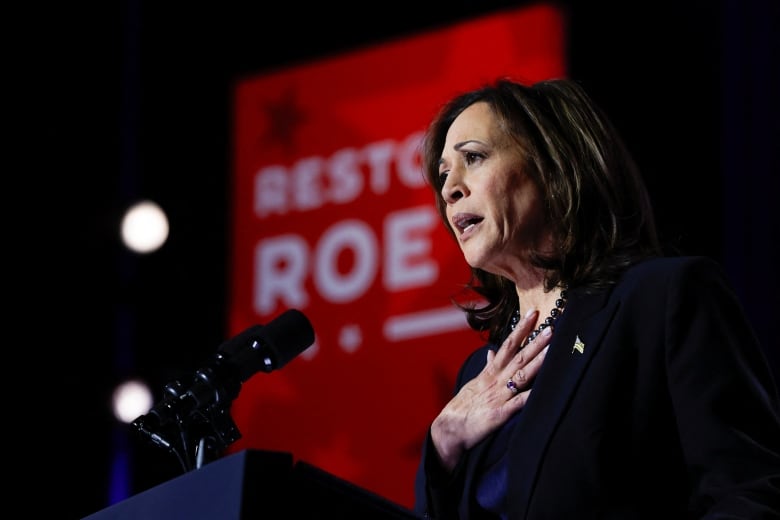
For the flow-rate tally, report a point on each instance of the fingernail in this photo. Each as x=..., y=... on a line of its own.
x=547, y=331
x=529, y=312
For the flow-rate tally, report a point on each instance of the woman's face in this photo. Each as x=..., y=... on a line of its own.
x=493, y=205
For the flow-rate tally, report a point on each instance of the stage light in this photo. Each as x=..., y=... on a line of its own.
x=131, y=399
x=144, y=227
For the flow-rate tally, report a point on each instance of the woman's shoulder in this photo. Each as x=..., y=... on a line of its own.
x=666, y=267
x=673, y=274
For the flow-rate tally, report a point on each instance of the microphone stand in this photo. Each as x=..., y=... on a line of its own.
x=194, y=425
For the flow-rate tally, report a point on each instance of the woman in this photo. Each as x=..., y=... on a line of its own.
x=614, y=382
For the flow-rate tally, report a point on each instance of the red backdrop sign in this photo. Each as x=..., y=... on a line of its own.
x=331, y=217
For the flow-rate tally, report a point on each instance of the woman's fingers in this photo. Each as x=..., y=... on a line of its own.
x=527, y=363
x=514, y=342
x=533, y=348
x=488, y=400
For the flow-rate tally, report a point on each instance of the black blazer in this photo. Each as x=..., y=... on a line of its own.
x=669, y=410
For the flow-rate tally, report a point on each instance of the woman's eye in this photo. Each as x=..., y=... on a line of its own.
x=470, y=157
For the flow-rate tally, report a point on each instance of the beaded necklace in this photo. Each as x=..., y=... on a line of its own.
x=555, y=312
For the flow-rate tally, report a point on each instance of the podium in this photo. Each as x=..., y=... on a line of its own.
x=255, y=485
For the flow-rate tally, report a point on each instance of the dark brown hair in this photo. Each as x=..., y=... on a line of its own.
x=595, y=200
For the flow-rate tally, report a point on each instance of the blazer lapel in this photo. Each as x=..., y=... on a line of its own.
x=577, y=336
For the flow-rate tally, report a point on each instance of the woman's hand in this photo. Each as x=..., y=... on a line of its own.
x=487, y=401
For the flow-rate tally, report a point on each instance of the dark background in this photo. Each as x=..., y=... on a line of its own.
x=126, y=100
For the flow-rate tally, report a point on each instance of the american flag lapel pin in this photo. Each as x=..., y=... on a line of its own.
x=579, y=346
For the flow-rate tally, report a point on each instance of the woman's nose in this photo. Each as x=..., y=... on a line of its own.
x=453, y=189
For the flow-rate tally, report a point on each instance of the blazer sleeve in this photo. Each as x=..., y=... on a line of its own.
x=438, y=493
x=724, y=395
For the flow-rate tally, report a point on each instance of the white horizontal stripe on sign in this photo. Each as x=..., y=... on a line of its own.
x=424, y=323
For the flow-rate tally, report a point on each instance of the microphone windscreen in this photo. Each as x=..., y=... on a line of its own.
x=287, y=336
x=268, y=347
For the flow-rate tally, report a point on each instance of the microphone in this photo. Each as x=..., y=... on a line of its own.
x=258, y=348
x=268, y=347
